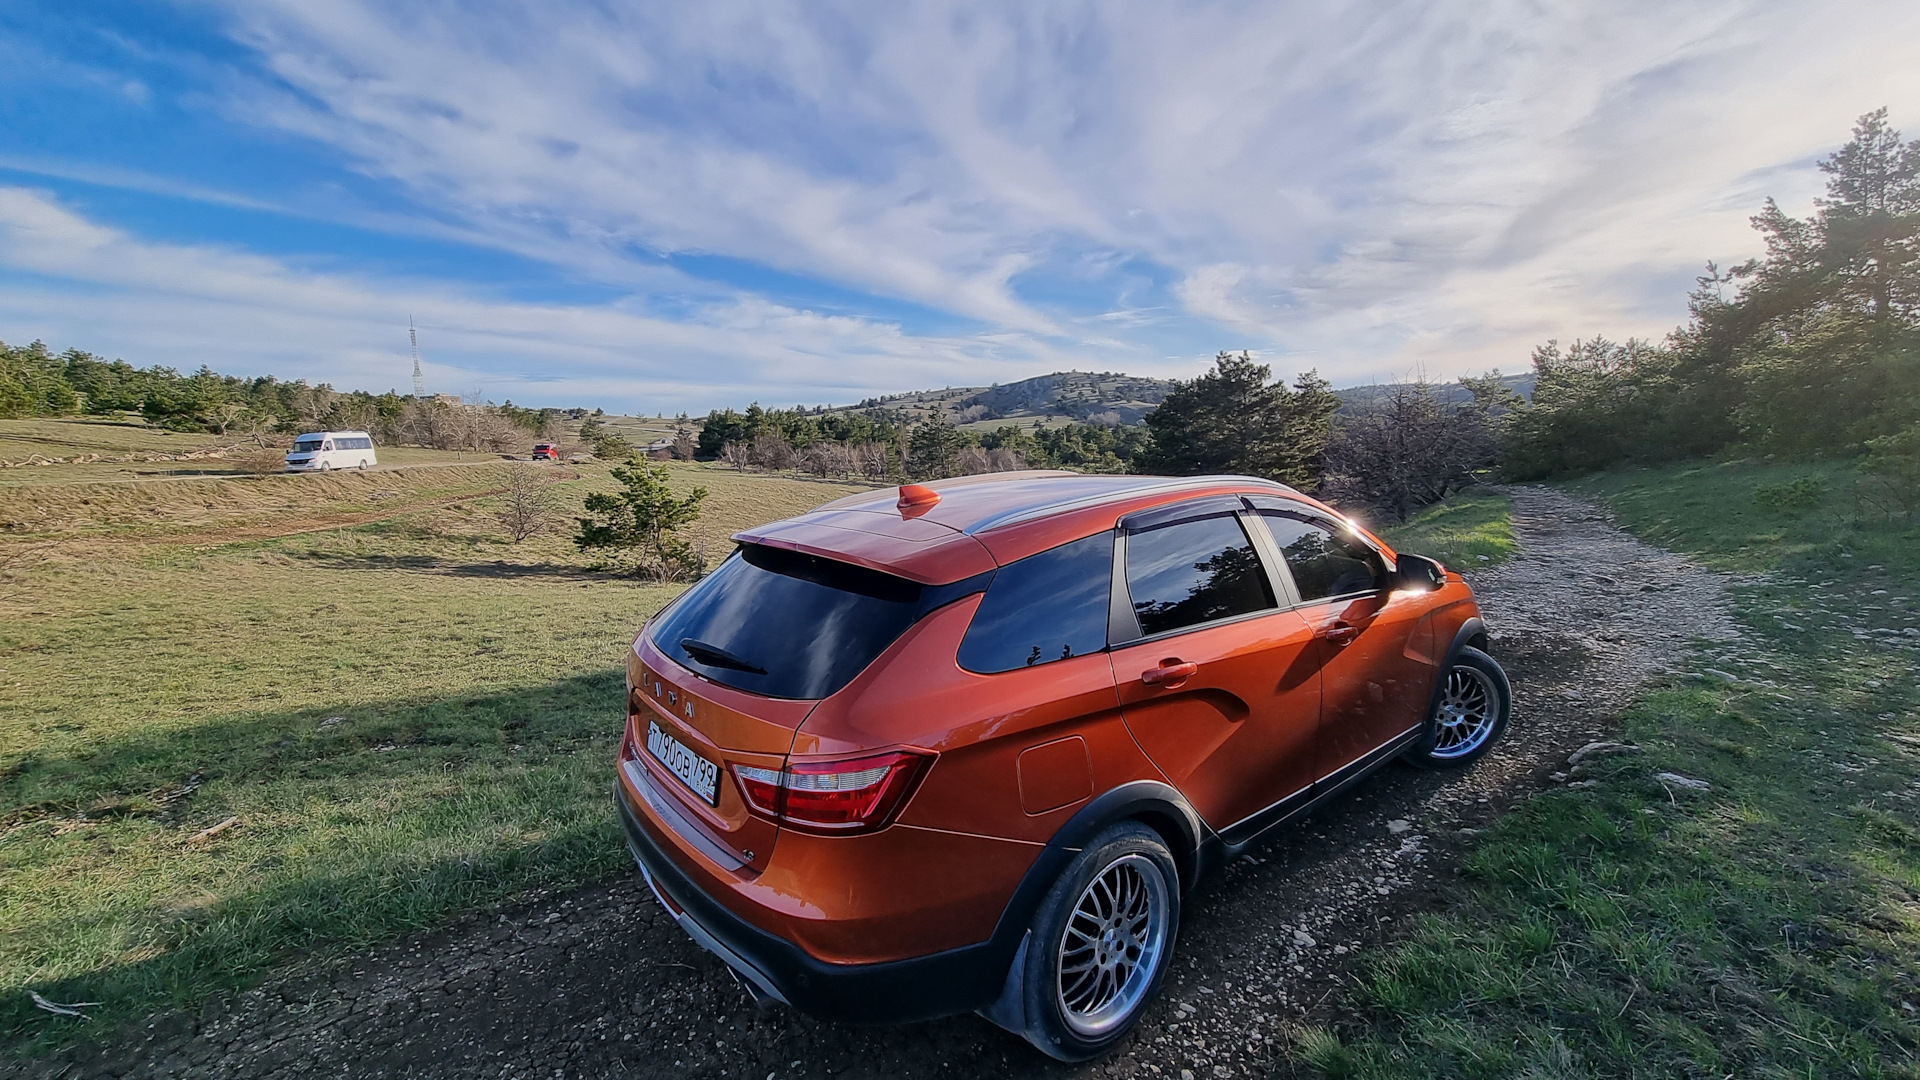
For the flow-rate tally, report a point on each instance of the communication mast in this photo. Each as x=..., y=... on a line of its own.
x=413, y=339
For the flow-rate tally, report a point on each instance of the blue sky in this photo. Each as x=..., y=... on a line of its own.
x=676, y=206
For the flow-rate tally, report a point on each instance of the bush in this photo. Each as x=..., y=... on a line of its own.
x=1791, y=497
x=639, y=526
x=262, y=461
x=1891, y=485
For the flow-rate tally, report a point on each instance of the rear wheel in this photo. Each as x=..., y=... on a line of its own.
x=1101, y=943
x=1470, y=712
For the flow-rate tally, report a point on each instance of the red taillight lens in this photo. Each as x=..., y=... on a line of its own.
x=833, y=796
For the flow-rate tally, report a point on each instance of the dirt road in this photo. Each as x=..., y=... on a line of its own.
x=600, y=983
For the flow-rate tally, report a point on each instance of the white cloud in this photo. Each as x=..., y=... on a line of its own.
x=1357, y=186
x=76, y=281
x=1366, y=188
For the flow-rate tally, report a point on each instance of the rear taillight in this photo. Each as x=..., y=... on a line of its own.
x=854, y=795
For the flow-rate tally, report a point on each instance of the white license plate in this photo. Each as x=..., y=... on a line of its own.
x=696, y=772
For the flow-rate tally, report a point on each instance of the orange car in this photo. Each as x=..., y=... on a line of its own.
x=964, y=746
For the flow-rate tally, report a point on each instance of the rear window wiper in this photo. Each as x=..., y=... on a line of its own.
x=715, y=656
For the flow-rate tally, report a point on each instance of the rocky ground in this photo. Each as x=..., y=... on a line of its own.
x=600, y=983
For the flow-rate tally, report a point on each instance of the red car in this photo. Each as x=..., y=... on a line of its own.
x=964, y=746
x=546, y=451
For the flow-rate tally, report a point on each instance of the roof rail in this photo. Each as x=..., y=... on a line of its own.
x=1179, y=483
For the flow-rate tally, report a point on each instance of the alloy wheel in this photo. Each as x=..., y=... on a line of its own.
x=1469, y=705
x=1114, y=943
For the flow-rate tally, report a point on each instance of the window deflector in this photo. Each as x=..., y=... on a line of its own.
x=1123, y=626
x=1267, y=504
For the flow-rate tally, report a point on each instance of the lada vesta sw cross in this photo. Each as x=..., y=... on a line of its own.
x=964, y=746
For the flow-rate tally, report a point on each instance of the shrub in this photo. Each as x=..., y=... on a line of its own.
x=1791, y=497
x=639, y=526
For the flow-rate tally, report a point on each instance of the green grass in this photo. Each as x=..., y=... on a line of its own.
x=1767, y=928
x=409, y=715
x=1471, y=529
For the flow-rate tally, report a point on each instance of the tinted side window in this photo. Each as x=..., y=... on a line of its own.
x=1045, y=607
x=1194, y=572
x=1325, y=563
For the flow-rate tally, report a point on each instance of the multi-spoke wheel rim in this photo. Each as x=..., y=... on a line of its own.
x=1468, y=706
x=1113, y=945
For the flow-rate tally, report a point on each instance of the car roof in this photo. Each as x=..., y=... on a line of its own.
x=986, y=520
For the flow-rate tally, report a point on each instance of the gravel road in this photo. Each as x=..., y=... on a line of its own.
x=600, y=983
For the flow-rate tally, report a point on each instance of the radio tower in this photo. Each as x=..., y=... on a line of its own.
x=413, y=339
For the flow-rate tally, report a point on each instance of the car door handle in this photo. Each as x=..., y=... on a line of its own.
x=1171, y=672
x=1339, y=633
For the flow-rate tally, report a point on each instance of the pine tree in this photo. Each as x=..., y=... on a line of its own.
x=1232, y=420
x=643, y=521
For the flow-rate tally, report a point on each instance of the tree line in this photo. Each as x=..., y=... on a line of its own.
x=1811, y=350
x=35, y=381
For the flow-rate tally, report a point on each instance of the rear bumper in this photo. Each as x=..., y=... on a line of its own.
x=939, y=984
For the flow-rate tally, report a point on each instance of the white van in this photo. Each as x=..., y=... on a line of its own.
x=320, y=451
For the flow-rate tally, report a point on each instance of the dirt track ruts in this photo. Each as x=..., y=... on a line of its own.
x=600, y=983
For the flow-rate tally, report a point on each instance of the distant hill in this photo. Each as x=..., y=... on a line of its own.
x=1449, y=392
x=1062, y=397
x=1088, y=396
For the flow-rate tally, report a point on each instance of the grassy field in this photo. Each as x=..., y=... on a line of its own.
x=400, y=713
x=1471, y=529
x=1767, y=927
x=106, y=450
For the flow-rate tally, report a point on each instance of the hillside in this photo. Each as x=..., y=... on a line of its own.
x=1061, y=397
x=1081, y=396
x=1450, y=392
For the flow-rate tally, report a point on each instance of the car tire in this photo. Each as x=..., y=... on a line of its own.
x=1471, y=706
x=1124, y=890
x=363, y=464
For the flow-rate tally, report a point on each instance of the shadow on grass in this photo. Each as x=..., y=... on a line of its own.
x=358, y=823
x=431, y=564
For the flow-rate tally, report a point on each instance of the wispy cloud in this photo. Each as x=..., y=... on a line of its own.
x=1368, y=189
x=244, y=312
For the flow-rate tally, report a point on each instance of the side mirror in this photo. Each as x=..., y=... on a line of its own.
x=1419, y=573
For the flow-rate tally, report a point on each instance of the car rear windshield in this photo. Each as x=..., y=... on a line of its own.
x=790, y=625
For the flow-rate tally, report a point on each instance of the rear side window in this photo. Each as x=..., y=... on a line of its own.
x=1194, y=572
x=1045, y=607
x=1325, y=562
x=789, y=625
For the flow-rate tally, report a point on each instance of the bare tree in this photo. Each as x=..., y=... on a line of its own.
x=261, y=461
x=1408, y=448
x=529, y=509
x=738, y=455
x=772, y=452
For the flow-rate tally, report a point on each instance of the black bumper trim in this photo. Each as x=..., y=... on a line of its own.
x=939, y=984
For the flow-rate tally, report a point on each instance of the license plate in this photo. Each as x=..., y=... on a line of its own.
x=696, y=772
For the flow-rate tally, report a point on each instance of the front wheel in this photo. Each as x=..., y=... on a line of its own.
x=1470, y=711
x=1101, y=943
